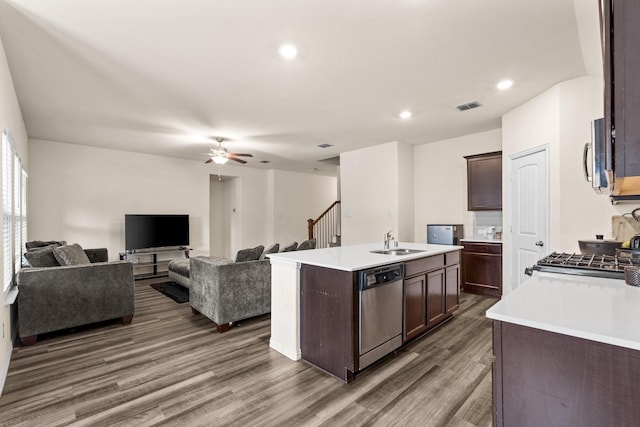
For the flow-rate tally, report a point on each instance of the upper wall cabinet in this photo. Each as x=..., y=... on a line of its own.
x=622, y=86
x=484, y=181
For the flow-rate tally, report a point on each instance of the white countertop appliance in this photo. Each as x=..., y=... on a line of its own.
x=444, y=234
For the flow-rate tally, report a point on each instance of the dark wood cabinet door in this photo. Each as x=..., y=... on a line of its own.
x=622, y=86
x=452, y=289
x=435, y=297
x=415, y=306
x=482, y=269
x=484, y=181
x=544, y=378
x=328, y=319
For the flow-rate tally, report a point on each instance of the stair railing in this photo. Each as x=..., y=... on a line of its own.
x=326, y=228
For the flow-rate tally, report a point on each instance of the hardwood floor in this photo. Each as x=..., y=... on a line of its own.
x=172, y=368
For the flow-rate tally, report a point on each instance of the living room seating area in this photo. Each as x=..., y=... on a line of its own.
x=65, y=286
x=226, y=291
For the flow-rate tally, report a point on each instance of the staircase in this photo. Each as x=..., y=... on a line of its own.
x=326, y=228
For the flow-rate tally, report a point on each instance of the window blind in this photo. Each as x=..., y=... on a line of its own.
x=14, y=210
x=7, y=209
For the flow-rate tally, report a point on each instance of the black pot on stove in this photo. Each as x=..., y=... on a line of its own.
x=599, y=246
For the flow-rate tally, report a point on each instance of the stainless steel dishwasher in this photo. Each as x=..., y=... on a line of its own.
x=380, y=319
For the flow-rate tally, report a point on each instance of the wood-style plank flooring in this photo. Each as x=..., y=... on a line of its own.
x=172, y=368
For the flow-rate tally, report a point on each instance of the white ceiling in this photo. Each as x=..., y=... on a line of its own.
x=159, y=76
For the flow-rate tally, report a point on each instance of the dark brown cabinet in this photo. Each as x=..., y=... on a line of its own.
x=622, y=86
x=431, y=292
x=484, y=181
x=329, y=320
x=452, y=289
x=435, y=297
x=482, y=268
x=415, y=309
x=542, y=378
x=329, y=309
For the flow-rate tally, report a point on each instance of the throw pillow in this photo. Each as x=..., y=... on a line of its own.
x=270, y=250
x=42, y=257
x=71, y=255
x=250, y=254
x=36, y=244
x=290, y=247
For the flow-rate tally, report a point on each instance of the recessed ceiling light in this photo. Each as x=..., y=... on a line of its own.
x=505, y=84
x=324, y=145
x=405, y=115
x=265, y=161
x=288, y=51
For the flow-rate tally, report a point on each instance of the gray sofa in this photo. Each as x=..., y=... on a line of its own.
x=226, y=291
x=55, y=298
x=179, y=271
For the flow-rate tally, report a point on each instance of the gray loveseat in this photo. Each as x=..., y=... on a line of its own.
x=226, y=291
x=55, y=298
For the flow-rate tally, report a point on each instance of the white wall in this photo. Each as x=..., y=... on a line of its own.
x=406, y=196
x=263, y=207
x=441, y=180
x=218, y=229
x=81, y=194
x=10, y=118
x=297, y=198
x=560, y=117
x=375, y=188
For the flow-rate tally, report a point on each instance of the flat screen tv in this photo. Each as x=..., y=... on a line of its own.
x=155, y=231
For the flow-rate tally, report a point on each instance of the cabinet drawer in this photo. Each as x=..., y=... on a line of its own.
x=451, y=258
x=423, y=264
x=485, y=248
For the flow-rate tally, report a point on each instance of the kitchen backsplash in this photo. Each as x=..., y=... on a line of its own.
x=482, y=220
x=624, y=227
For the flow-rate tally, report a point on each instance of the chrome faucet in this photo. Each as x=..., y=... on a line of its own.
x=387, y=238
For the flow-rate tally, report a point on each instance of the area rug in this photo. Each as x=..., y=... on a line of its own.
x=178, y=293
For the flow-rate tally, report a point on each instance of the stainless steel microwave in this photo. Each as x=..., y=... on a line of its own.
x=599, y=171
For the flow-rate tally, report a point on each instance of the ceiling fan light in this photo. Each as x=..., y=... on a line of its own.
x=219, y=160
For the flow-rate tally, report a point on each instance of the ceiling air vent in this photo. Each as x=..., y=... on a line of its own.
x=468, y=105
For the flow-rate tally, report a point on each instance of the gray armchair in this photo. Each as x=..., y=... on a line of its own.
x=227, y=291
x=54, y=298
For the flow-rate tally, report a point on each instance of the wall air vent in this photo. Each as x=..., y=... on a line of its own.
x=468, y=105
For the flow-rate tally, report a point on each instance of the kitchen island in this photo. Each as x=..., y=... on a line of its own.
x=567, y=352
x=339, y=267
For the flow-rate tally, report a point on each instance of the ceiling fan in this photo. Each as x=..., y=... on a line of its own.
x=219, y=155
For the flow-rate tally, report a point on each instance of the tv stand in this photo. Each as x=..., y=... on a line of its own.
x=153, y=262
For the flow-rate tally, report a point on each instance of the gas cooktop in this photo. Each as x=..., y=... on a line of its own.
x=609, y=266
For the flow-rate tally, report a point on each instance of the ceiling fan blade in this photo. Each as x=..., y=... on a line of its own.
x=240, y=155
x=237, y=160
x=209, y=161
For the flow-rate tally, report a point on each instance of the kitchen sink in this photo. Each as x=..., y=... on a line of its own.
x=397, y=251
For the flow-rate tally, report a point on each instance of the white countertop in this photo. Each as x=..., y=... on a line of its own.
x=481, y=240
x=603, y=310
x=358, y=257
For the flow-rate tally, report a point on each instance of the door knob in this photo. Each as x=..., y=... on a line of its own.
x=539, y=243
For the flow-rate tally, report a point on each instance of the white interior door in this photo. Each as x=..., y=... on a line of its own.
x=529, y=211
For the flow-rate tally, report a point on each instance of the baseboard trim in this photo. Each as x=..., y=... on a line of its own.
x=290, y=353
x=4, y=369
